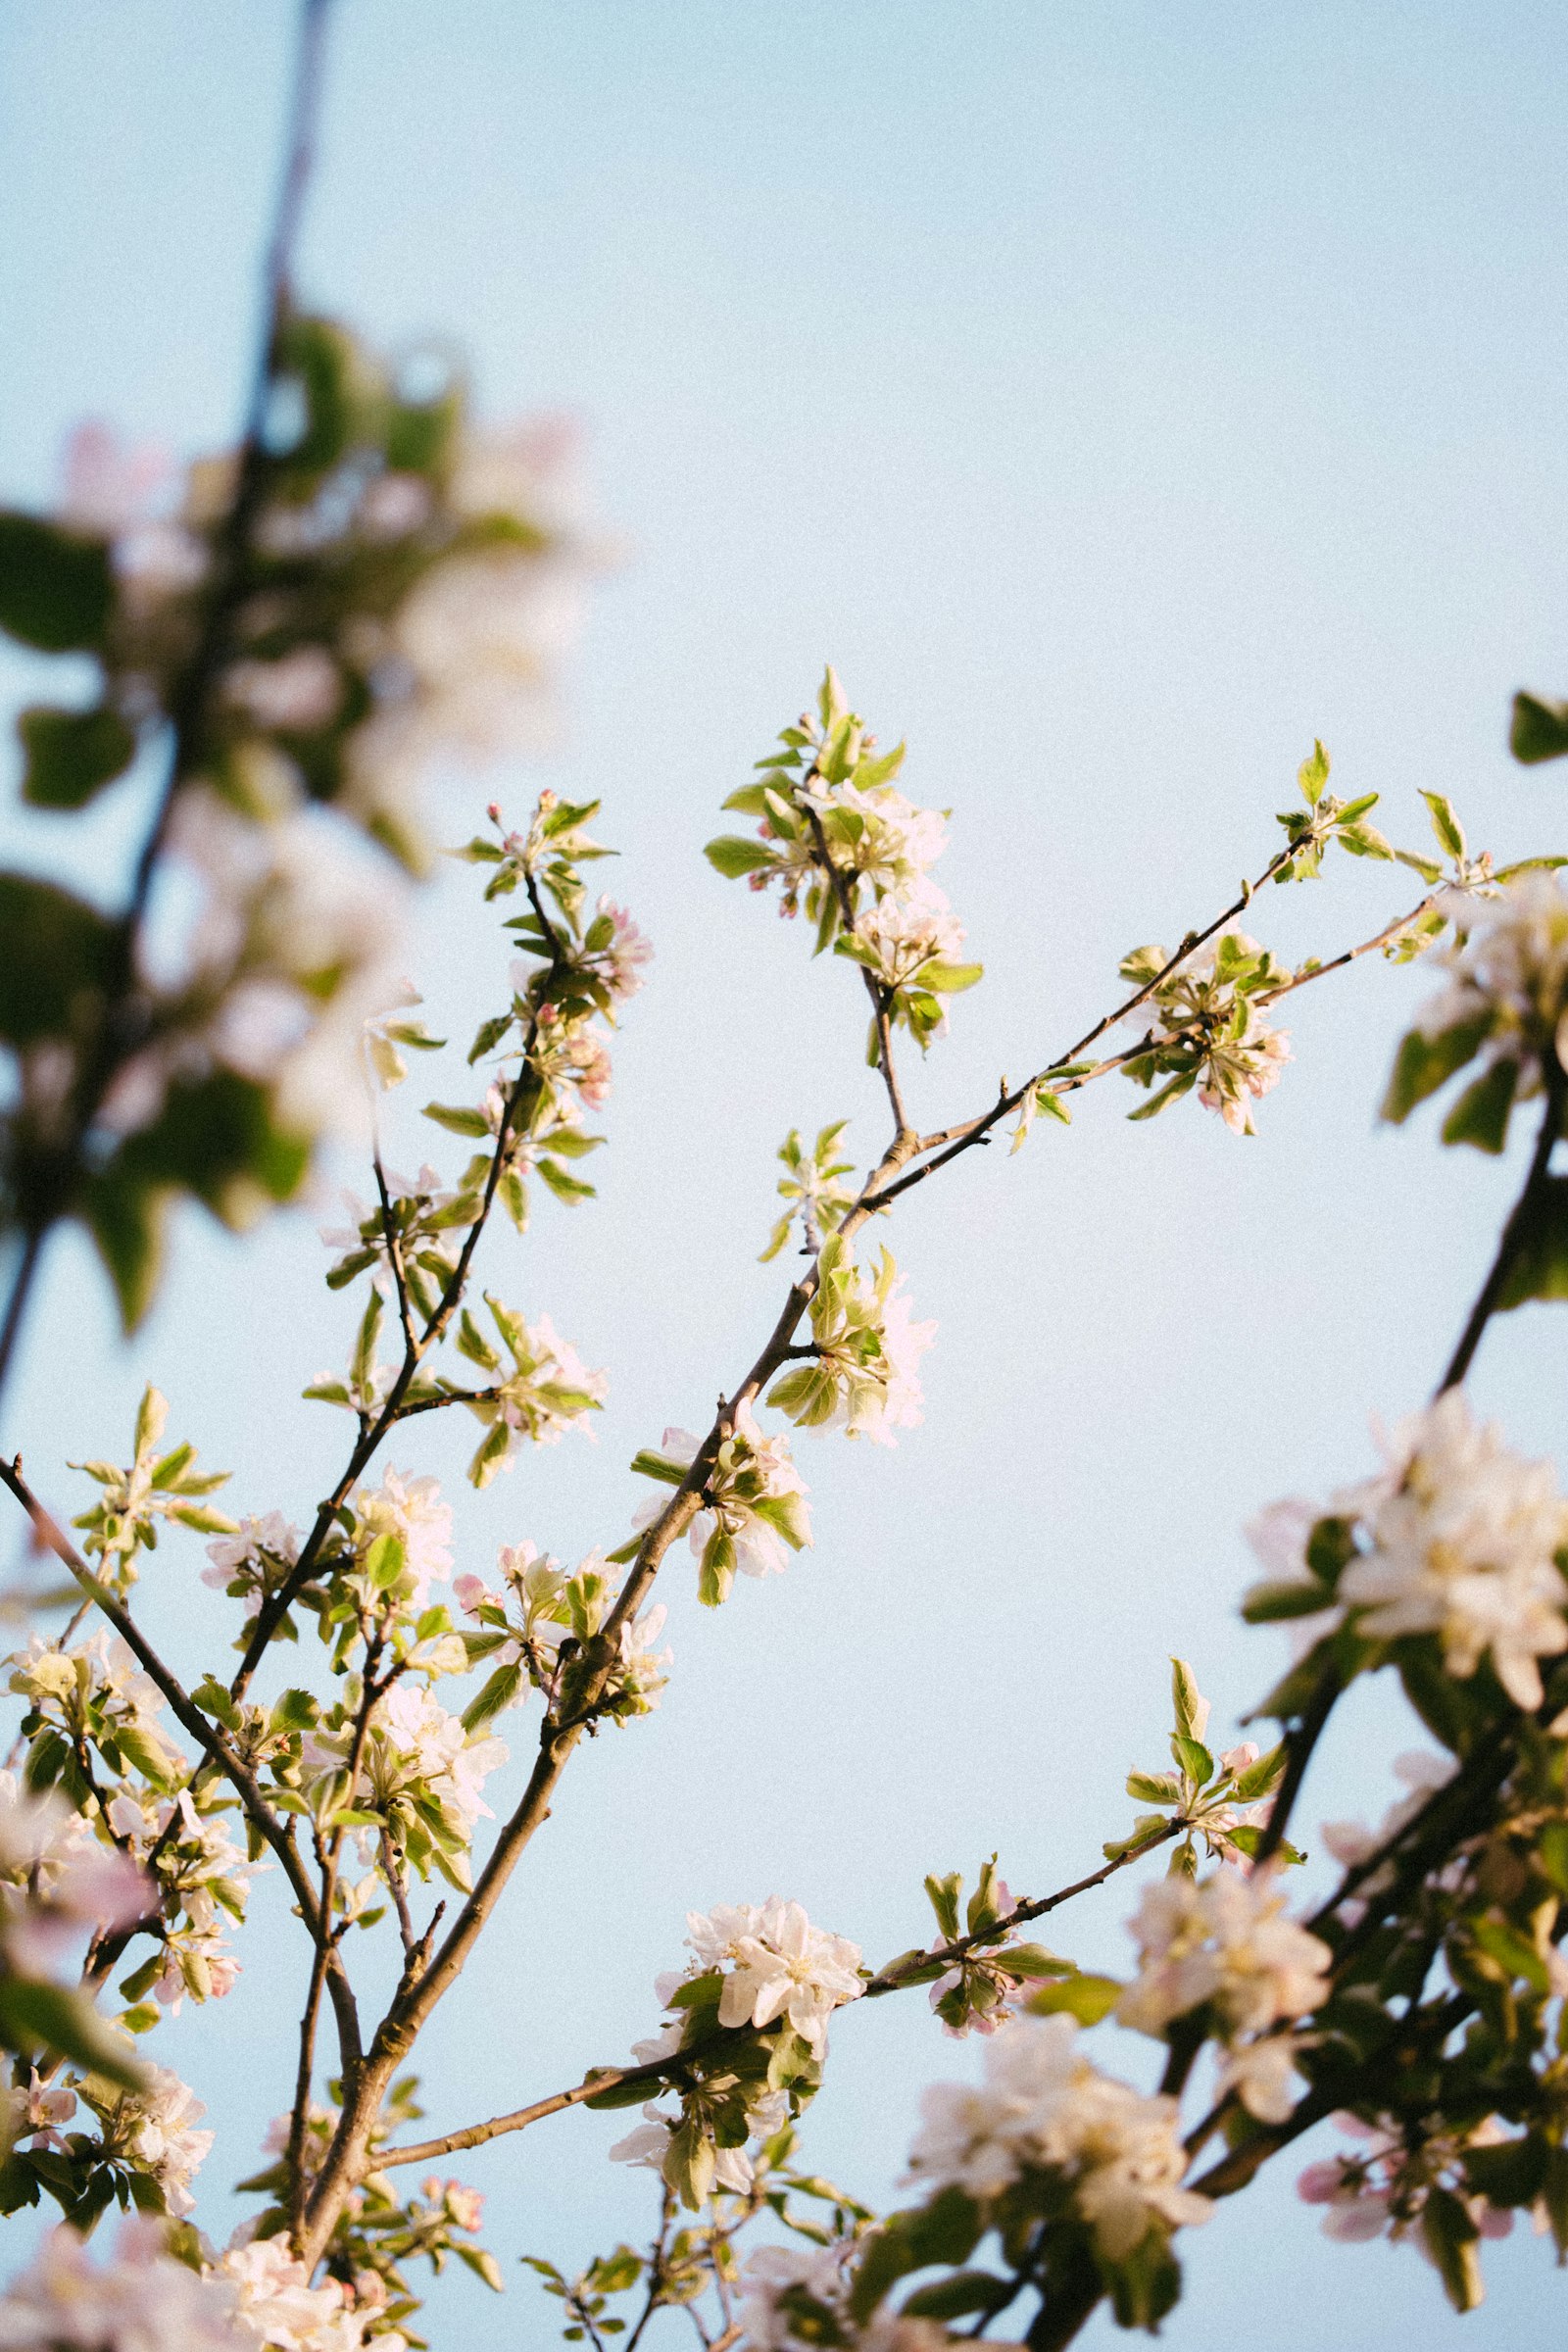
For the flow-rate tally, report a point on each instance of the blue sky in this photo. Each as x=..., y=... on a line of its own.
x=1120, y=395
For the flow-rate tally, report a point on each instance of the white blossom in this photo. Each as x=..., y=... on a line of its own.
x=157, y=2124
x=750, y=1472
x=277, y=2306
x=138, y=2300
x=1509, y=966
x=57, y=1881
x=1226, y=1942
x=1043, y=2105
x=1463, y=1536
x=253, y=1562
x=886, y=838
x=779, y=1965
x=410, y=1509
x=904, y=931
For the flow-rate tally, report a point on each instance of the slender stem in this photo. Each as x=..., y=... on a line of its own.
x=394, y=1251
x=206, y=1733
x=895, y=1977
x=880, y=996
x=1514, y=1234
x=327, y=1940
x=22, y=1281
x=966, y=1136
x=123, y=1024
x=272, y=1614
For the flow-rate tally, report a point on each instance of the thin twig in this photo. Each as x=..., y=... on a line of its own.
x=895, y=1977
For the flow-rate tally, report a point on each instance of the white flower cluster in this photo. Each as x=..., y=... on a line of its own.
x=755, y=1510
x=786, y=2285
x=777, y=1966
x=57, y=1883
x=254, y=1562
x=1201, y=1017
x=904, y=931
x=138, y=2300
x=277, y=2306
x=96, y=1685
x=465, y=669
x=1044, y=2107
x=1458, y=1536
x=773, y=1965
x=294, y=947
x=422, y=1774
x=867, y=1350
x=154, y=2130
x=1227, y=1945
x=410, y=1511
x=141, y=2299
x=548, y=1390
x=1508, y=969
x=1386, y=2186
x=1463, y=1536
x=202, y=1876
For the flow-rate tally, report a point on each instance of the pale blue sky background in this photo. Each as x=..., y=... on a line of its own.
x=1120, y=395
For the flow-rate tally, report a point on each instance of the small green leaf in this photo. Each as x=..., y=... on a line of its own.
x=55, y=587
x=1539, y=729
x=71, y=755
x=733, y=855
x=1446, y=825
x=1313, y=775
x=1481, y=1115
x=1423, y=1064
x=1087, y=1999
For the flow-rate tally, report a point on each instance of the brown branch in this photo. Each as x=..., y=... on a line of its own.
x=881, y=996
x=123, y=1024
x=1515, y=1232
x=897, y=1977
x=272, y=1613
x=206, y=1733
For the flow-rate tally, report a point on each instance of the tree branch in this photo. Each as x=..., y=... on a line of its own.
x=207, y=1736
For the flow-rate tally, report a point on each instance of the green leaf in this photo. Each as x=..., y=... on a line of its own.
x=58, y=963
x=1088, y=1998
x=1510, y=2173
x=1539, y=729
x=1446, y=825
x=947, y=979
x=52, y=2017
x=947, y=2231
x=1157, y=1787
x=1313, y=775
x=55, y=587
x=71, y=755
x=1539, y=1266
x=1186, y=1697
x=955, y=2297
x=648, y=1464
x=733, y=855
x=1271, y=1603
x=296, y=1711
x=1425, y=1064
x=495, y=1694
x=1451, y=2238
x=1363, y=841
x=458, y=1118
x=385, y=1562
x=1481, y=1115
x=944, y=1896
x=489, y=1033
x=1193, y=1758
